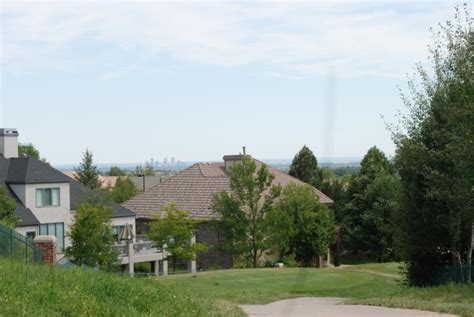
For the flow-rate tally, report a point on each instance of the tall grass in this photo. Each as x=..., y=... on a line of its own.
x=37, y=290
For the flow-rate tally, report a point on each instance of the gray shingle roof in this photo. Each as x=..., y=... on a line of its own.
x=192, y=189
x=26, y=170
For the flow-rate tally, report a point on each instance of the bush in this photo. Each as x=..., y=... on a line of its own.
x=289, y=261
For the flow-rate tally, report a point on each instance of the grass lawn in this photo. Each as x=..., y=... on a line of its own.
x=375, y=284
x=36, y=290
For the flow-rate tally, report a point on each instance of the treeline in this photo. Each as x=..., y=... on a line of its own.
x=419, y=208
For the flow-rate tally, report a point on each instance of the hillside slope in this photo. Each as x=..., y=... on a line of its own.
x=37, y=290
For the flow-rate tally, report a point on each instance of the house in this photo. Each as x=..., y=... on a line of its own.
x=192, y=189
x=142, y=182
x=46, y=198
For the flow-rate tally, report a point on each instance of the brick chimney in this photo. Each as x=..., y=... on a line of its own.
x=230, y=160
x=9, y=143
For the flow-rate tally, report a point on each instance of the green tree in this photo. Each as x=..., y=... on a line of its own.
x=175, y=230
x=244, y=208
x=305, y=167
x=7, y=209
x=29, y=150
x=435, y=156
x=92, y=237
x=147, y=170
x=123, y=190
x=311, y=227
x=116, y=171
x=280, y=228
x=87, y=172
x=365, y=216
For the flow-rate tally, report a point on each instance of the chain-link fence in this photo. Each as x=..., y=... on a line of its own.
x=18, y=247
x=456, y=274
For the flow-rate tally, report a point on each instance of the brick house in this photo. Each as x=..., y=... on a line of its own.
x=192, y=190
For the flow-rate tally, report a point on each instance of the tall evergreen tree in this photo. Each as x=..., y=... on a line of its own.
x=87, y=172
x=435, y=157
x=374, y=200
x=305, y=167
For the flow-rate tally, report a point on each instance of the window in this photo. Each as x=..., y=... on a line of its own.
x=117, y=231
x=46, y=197
x=54, y=229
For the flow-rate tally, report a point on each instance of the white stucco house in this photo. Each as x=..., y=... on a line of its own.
x=46, y=198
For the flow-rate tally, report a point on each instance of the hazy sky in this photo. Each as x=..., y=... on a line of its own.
x=197, y=80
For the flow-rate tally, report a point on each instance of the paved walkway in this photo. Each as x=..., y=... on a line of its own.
x=329, y=307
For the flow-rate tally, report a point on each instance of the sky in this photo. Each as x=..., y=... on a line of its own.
x=197, y=80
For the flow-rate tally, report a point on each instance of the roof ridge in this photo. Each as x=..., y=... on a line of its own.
x=165, y=181
x=204, y=174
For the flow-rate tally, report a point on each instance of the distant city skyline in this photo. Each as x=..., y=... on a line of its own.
x=195, y=81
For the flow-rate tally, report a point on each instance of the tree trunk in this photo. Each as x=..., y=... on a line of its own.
x=469, y=256
x=254, y=258
x=459, y=260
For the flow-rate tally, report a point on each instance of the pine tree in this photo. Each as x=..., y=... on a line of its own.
x=87, y=172
x=305, y=167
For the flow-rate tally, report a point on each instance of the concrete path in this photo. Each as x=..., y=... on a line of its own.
x=329, y=307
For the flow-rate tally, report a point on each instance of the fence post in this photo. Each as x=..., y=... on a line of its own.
x=192, y=262
x=11, y=245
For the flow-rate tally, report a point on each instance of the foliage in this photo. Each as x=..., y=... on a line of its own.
x=148, y=170
x=310, y=225
x=305, y=167
x=7, y=209
x=280, y=228
x=435, y=156
x=123, y=190
x=29, y=150
x=337, y=188
x=116, y=171
x=175, y=230
x=374, y=200
x=87, y=172
x=92, y=237
x=40, y=290
x=243, y=210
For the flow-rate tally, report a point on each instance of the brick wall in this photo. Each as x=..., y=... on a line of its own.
x=47, y=245
x=207, y=233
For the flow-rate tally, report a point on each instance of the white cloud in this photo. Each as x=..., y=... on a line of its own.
x=299, y=39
